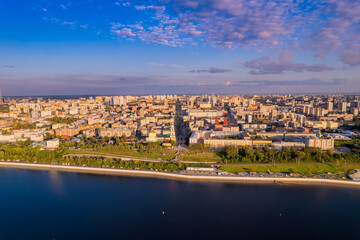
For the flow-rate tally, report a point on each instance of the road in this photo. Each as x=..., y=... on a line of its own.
x=180, y=128
x=113, y=156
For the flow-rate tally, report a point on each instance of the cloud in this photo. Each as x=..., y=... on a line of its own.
x=309, y=82
x=164, y=65
x=176, y=66
x=338, y=31
x=162, y=30
x=350, y=58
x=155, y=8
x=124, y=4
x=265, y=65
x=237, y=23
x=124, y=32
x=211, y=70
x=8, y=66
x=156, y=64
x=71, y=24
x=124, y=84
x=322, y=27
x=91, y=84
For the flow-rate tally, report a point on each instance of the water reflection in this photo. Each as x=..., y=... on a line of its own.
x=56, y=182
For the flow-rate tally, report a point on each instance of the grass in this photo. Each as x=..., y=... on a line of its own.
x=200, y=154
x=306, y=169
x=199, y=157
x=339, y=143
x=166, y=154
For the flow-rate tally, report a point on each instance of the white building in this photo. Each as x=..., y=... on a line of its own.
x=7, y=138
x=323, y=143
x=53, y=143
x=37, y=137
x=280, y=145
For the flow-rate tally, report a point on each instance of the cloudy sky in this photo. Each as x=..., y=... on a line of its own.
x=56, y=47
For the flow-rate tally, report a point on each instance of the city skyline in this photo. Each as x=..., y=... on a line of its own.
x=181, y=47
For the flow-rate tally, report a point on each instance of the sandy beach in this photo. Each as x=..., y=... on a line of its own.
x=143, y=173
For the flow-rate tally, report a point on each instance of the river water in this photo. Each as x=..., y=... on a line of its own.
x=38, y=204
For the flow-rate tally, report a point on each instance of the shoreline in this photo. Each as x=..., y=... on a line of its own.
x=183, y=177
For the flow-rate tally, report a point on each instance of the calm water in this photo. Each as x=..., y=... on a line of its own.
x=54, y=205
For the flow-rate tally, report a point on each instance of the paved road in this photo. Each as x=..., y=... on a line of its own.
x=270, y=164
x=180, y=129
x=114, y=156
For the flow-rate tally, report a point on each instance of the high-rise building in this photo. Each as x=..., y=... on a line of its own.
x=342, y=106
x=35, y=114
x=329, y=105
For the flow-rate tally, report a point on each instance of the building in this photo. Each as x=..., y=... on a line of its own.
x=355, y=111
x=114, y=132
x=342, y=106
x=37, y=137
x=253, y=126
x=280, y=145
x=218, y=143
x=7, y=138
x=322, y=143
x=66, y=132
x=53, y=143
x=329, y=105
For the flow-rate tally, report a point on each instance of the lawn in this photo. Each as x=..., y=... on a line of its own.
x=291, y=168
x=200, y=154
x=199, y=157
x=166, y=154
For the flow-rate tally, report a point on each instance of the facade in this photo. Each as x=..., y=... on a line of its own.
x=158, y=138
x=253, y=126
x=322, y=143
x=37, y=137
x=280, y=145
x=7, y=138
x=53, y=143
x=114, y=132
x=218, y=143
x=67, y=132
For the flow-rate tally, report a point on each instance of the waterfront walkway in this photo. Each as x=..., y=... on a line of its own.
x=179, y=176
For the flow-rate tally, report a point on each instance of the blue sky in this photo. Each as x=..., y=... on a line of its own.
x=55, y=47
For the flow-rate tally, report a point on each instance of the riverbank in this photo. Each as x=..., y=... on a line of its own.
x=128, y=172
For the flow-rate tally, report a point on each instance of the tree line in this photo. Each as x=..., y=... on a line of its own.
x=59, y=156
x=266, y=154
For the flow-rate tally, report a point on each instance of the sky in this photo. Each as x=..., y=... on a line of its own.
x=117, y=47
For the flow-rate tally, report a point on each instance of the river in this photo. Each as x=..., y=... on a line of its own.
x=37, y=204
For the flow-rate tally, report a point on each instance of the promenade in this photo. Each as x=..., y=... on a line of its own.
x=129, y=172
